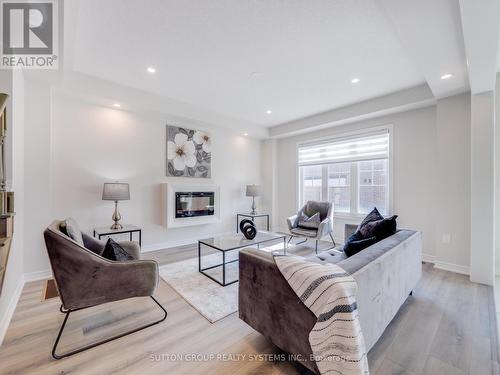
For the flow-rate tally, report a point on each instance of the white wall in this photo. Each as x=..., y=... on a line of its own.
x=80, y=145
x=414, y=170
x=77, y=145
x=497, y=176
x=419, y=163
x=482, y=188
x=11, y=82
x=269, y=168
x=452, y=217
x=38, y=167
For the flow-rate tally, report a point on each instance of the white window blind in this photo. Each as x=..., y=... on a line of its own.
x=370, y=146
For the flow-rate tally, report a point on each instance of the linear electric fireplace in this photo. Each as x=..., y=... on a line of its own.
x=192, y=204
x=187, y=205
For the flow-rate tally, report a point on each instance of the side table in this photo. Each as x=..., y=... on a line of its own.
x=252, y=217
x=106, y=231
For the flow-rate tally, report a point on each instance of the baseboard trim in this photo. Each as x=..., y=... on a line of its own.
x=464, y=270
x=25, y=278
x=427, y=258
x=167, y=245
x=5, y=321
x=37, y=276
x=445, y=266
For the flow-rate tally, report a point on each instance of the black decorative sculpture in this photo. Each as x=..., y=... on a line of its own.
x=247, y=227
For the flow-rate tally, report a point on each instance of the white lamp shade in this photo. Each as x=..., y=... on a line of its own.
x=253, y=190
x=115, y=191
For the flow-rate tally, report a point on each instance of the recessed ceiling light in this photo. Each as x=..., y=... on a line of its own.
x=355, y=80
x=151, y=70
x=245, y=134
x=117, y=105
x=269, y=111
x=446, y=76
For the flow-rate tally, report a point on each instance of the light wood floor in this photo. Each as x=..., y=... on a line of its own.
x=446, y=327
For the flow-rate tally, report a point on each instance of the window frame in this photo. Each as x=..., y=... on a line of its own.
x=351, y=216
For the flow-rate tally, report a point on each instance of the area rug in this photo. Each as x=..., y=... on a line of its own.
x=210, y=299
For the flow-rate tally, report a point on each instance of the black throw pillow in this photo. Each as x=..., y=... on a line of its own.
x=374, y=215
x=113, y=251
x=379, y=229
x=355, y=243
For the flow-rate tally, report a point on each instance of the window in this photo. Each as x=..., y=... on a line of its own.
x=339, y=186
x=373, y=190
x=351, y=172
x=312, y=182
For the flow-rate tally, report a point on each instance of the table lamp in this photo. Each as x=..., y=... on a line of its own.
x=116, y=191
x=253, y=191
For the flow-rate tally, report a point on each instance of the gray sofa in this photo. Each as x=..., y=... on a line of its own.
x=386, y=273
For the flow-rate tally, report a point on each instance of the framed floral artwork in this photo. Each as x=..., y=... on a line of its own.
x=189, y=152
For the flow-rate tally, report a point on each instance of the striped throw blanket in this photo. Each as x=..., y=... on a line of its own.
x=329, y=292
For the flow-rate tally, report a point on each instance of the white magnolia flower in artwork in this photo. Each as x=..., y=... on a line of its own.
x=182, y=152
x=204, y=140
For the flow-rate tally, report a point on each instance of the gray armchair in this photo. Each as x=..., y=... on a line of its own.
x=85, y=279
x=325, y=228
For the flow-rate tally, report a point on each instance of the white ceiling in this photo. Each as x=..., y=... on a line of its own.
x=438, y=47
x=304, y=53
x=480, y=24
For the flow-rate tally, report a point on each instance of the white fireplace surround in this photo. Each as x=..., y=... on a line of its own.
x=169, y=219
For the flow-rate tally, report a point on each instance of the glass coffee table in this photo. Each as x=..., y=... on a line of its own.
x=228, y=245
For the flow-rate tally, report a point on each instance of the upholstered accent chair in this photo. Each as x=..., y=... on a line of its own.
x=325, y=228
x=85, y=279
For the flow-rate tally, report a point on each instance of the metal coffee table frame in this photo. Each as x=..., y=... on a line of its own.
x=224, y=263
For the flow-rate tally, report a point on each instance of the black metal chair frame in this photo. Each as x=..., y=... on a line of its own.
x=68, y=312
